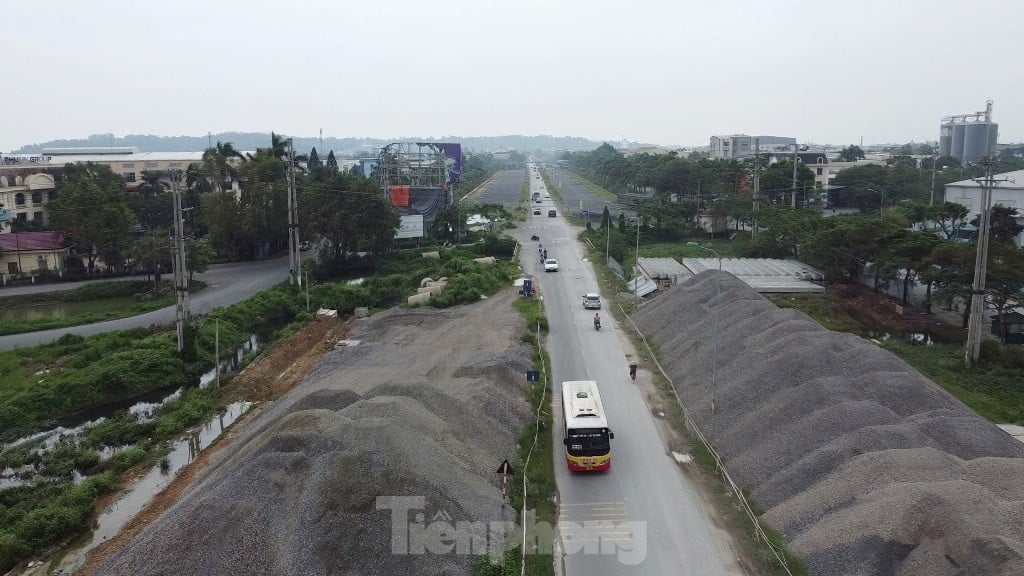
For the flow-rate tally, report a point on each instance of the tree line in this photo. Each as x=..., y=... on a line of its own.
x=897, y=239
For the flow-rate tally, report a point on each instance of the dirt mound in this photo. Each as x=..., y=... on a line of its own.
x=863, y=464
x=427, y=405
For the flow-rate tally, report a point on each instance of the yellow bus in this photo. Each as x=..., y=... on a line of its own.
x=587, y=446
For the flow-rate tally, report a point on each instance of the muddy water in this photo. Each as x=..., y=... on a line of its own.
x=131, y=501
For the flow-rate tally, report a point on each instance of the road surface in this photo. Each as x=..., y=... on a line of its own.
x=504, y=189
x=226, y=284
x=575, y=194
x=670, y=531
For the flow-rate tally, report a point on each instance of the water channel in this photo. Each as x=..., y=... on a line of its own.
x=66, y=309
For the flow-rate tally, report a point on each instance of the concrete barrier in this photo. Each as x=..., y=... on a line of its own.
x=435, y=255
x=485, y=260
x=419, y=299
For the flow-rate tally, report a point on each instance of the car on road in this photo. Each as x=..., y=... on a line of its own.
x=536, y=211
x=537, y=200
x=305, y=245
x=552, y=214
x=551, y=265
x=591, y=301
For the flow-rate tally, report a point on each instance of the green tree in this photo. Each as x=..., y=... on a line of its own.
x=851, y=153
x=622, y=222
x=777, y=182
x=951, y=269
x=225, y=236
x=152, y=252
x=199, y=255
x=606, y=218
x=856, y=185
x=910, y=252
x=92, y=211
x=1003, y=227
x=950, y=218
x=1004, y=282
x=332, y=163
x=314, y=166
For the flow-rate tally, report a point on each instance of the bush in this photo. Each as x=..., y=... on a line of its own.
x=991, y=351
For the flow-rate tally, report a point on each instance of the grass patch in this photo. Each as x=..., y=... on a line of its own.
x=540, y=474
x=594, y=188
x=680, y=250
x=95, y=292
x=991, y=387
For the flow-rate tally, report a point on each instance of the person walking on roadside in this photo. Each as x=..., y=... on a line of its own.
x=632, y=371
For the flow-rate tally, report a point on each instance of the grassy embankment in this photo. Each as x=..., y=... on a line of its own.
x=45, y=384
x=991, y=388
x=597, y=190
x=540, y=473
x=94, y=292
x=567, y=211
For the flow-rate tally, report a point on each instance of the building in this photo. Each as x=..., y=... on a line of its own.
x=24, y=192
x=31, y=253
x=1009, y=193
x=968, y=137
x=816, y=161
x=741, y=145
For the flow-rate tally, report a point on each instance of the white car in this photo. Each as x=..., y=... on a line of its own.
x=551, y=265
x=591, y=301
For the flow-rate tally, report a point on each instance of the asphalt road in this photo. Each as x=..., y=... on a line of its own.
x=226, y=284
x=59, y=286
x=575, y=195
x=504, y=189
x=669, y=530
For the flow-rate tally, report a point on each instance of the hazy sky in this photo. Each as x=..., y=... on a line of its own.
x=666, y=72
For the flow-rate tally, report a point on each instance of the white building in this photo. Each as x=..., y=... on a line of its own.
x=741, y=145
x=1009, y=192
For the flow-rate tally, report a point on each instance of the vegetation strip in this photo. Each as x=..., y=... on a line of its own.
x=534, y=461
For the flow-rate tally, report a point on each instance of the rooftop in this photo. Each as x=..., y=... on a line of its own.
x=1013, y=179
x=29, y=241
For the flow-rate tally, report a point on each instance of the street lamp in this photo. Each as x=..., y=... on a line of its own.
x=717, y=329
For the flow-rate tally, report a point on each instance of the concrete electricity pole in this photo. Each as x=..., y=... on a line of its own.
x=757, y=181
x=793, y=202
x=973, y=349
x=294, y=259
x=180, y=265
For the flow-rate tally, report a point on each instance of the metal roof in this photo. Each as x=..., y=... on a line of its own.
x=764, y=274
x=1016, y=181
x=664, y=269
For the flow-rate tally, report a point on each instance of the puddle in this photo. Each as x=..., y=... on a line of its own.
x=133, y=500
x=232, y=364
x=913, y=337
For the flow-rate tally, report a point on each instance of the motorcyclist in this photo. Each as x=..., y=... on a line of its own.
x=597, y=320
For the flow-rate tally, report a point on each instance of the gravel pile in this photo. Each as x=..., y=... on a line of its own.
x=428, y=405
x=864, y=465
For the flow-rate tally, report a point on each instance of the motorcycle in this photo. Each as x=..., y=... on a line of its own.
x=597, y=324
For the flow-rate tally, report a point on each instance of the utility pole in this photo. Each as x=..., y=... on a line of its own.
x=931, y=198
x=973, y=349
x=294, y=260
x=793, y=201
x=757, y=181
x=636, y=275
x=180, y=267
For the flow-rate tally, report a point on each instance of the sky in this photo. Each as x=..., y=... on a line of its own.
x=672, y=72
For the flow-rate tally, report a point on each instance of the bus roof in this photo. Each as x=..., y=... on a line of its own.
x=581, y=401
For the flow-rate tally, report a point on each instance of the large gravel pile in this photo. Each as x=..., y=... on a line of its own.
x=863, y=464
x=429, y=404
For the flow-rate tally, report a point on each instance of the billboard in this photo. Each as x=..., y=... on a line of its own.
x=5, y=215
x=410, y=227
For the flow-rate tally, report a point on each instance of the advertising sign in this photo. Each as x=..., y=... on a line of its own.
x=410, y=227
x=5, y=215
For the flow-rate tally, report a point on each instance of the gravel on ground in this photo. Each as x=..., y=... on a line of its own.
x=427, y=404
x=865, y=466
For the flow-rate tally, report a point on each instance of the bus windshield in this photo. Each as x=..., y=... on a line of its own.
x=588, y=442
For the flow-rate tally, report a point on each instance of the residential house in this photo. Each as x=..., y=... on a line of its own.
x=31, y=253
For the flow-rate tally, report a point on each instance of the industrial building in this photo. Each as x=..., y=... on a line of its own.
x=741, y=145
x=968, y=137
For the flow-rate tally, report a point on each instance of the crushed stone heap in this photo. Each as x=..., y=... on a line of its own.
x=864, y=465
x=428, y=404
